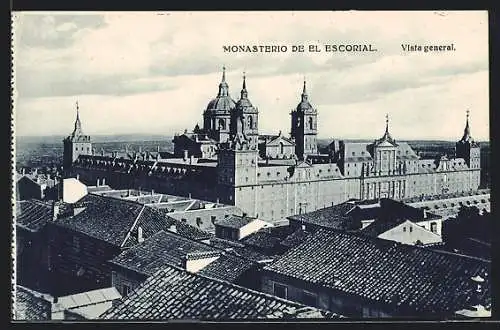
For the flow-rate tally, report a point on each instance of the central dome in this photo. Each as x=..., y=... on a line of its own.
x=221, y=103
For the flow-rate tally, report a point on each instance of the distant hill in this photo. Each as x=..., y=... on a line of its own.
x=95, y=138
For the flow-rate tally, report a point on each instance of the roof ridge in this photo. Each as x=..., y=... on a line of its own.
x=133, y=226
x=242, y=288
x=377, y=240
x=115, y=198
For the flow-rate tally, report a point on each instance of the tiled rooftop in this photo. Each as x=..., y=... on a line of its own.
x=165, y=248
x=335, y=217
x=32, y=215
x=234, y=221
x=111, y=219
x=238, y=249
x=31, y=305
x=274, y=240
x=405, y=277
x=172, y=293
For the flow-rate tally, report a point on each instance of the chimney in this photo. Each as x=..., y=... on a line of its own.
x=191, y=159
x=189, y=195
x=23, y=171
x=425, y=214
x=196, y=261
x=217, y=201
x=78, y=177
x=158, y=149
x=103, y=182
x=185, y=155
x=140, y=237
x=152, y=191
x=173, y=228
x=55, y=211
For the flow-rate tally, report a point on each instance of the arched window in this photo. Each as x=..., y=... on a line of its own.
x=250, y=122
x=282, y=148
x=310, y=123
x=222, y=124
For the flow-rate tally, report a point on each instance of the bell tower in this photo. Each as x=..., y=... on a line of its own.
x=305, y=127
x=245, y=119
x=75, y=144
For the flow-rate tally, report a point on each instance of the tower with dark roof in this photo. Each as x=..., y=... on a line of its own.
x=467, y=148
x=245, y=119
x=304, y=128
x=217, y=115
x=238, y=157
x=77, y=143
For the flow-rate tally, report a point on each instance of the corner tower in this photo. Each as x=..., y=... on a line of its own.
x=305, y=127
x=75, y=144
x=468, y=149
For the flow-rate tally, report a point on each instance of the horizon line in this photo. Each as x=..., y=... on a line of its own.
x=445, y=139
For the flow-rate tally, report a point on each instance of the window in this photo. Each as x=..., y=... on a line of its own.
x=404, y=229
x=280, y=290
x=125, y=290
x=434, y=227
x=309, y=298
x=199, y=222
x=411, y=229
x=310, y=123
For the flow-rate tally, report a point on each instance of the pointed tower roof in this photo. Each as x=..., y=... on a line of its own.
x=467, y=137
x=77, y=134
x=304, y=104
x=244, y=102
x=77, y=131
x=223, y=101
x=387, y=139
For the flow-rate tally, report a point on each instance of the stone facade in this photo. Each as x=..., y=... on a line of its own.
x=265, y=181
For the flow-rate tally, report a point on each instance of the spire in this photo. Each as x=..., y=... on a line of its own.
x=78, y=125
x=386, y=124
x=223, y=87
x=467, y=136
x=244, y=93
x=387, y=136
x=304, y=91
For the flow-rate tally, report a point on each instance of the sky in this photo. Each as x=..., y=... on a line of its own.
x=155, y=72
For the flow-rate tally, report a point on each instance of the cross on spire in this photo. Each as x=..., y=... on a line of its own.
x=387, y=123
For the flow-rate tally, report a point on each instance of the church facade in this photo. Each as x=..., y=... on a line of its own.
x=275, y=176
